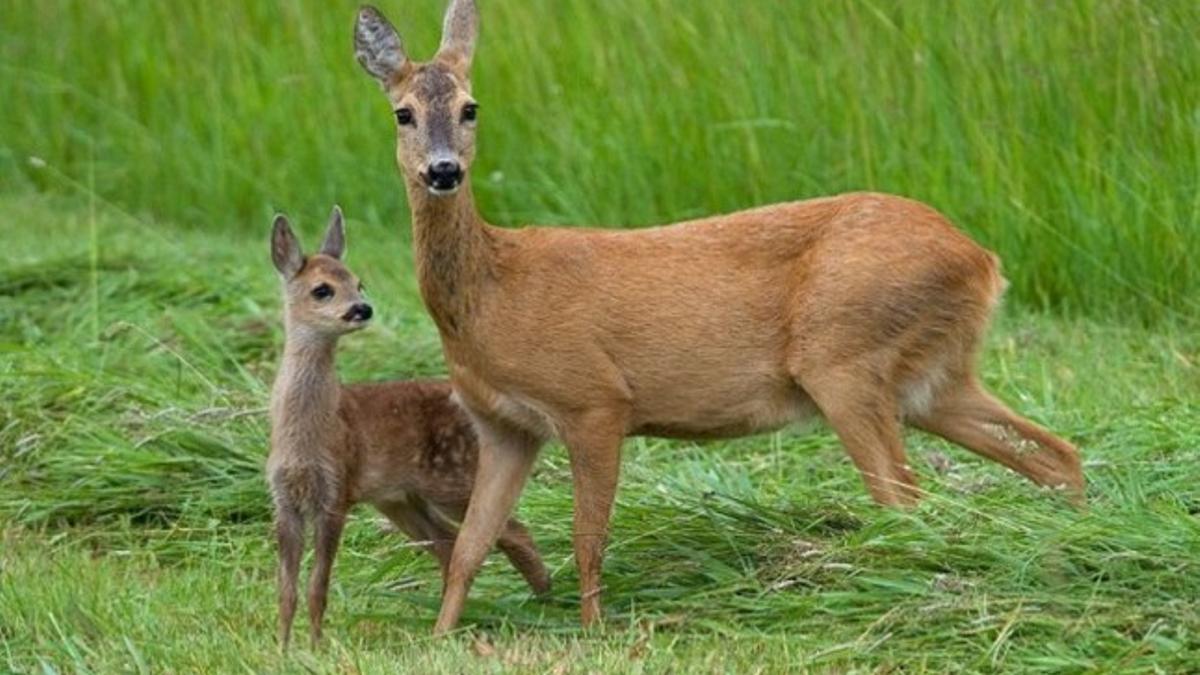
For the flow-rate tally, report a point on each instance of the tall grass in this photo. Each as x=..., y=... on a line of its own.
x=1063, y=135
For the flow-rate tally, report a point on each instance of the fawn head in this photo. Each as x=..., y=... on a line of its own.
x=320, y=293
x=435, y=114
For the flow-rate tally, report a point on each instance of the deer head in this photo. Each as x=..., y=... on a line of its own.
x=321, y=296
x=435, y=114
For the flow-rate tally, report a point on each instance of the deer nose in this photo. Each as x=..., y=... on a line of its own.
x=444, y=174
x=359, y=312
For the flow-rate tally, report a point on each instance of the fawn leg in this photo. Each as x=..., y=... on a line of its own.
x=515, y=541
x=518, y=546
x=289, y=533
x=867, y=422
x=594, y=446
x=328, y=534
x=506, y=457
x=974, y=419
x=411, y=520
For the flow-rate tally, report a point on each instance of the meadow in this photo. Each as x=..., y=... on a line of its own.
x=145, y=146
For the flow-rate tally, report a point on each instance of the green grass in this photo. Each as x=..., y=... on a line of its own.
x=144, y=147
x=1064, y=135
x=137, y=519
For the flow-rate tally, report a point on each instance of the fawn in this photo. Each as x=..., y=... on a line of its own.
x=864, y=309
x=404, y=446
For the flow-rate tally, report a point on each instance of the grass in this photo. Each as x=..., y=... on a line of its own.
x=137, y=520
x=146, y=145
x=1063, y=135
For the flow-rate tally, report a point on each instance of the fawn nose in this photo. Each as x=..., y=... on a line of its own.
x=359, y=312
x=444, y=174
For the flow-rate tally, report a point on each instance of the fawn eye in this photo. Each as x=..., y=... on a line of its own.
x=322, y=292
x=404, y=116
x=470, y=111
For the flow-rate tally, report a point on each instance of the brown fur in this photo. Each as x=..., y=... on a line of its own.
x=865, y=309
x=404, y=447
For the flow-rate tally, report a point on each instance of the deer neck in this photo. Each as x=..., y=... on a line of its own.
x=454, y=254
x=306, y=395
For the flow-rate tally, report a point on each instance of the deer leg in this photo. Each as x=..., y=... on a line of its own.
x=328, y=534
x=289, y=533
x=866, y=420
x=970, y=417
x=514, y=540
x=408, y=517
x=518, y=546
x=595, y=452
x=505, y=459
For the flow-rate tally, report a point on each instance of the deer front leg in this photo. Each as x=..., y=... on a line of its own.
x=289, y=533
x=505, y=458
x=327, y=532
x=594, y=446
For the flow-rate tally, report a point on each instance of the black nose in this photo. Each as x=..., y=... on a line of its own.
x=360, y=312
x=445, y=174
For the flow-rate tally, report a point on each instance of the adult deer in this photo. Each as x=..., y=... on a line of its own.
x=864, y=309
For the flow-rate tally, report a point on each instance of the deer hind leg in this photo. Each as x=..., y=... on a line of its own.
x=506, y=457
x=866, y=419
x=969, y=416
x=412, y=521
x=432, y=525
x=327, y=532
x=517, y=545
x=289, y=533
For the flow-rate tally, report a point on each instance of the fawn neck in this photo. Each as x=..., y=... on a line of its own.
x=306, y=394
x=454, y=251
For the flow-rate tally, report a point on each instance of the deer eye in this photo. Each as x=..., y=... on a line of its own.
x=470, y=111
x=322, y=292
x=404, y=116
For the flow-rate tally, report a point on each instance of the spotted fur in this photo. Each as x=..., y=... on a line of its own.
x=404, y=447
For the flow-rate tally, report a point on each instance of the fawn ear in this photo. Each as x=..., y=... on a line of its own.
x=285, y=248
x=459, y=33
x=334, y=245
x=377, y=46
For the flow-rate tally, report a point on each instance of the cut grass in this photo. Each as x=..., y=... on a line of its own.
x=1063, y=135
x=137, y=519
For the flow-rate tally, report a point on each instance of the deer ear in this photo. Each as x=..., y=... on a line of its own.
x=334, y=245
x=285, y=248
x=459, y=33
x=377, y=46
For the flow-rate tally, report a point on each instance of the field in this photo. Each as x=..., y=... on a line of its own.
x=146, y=145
